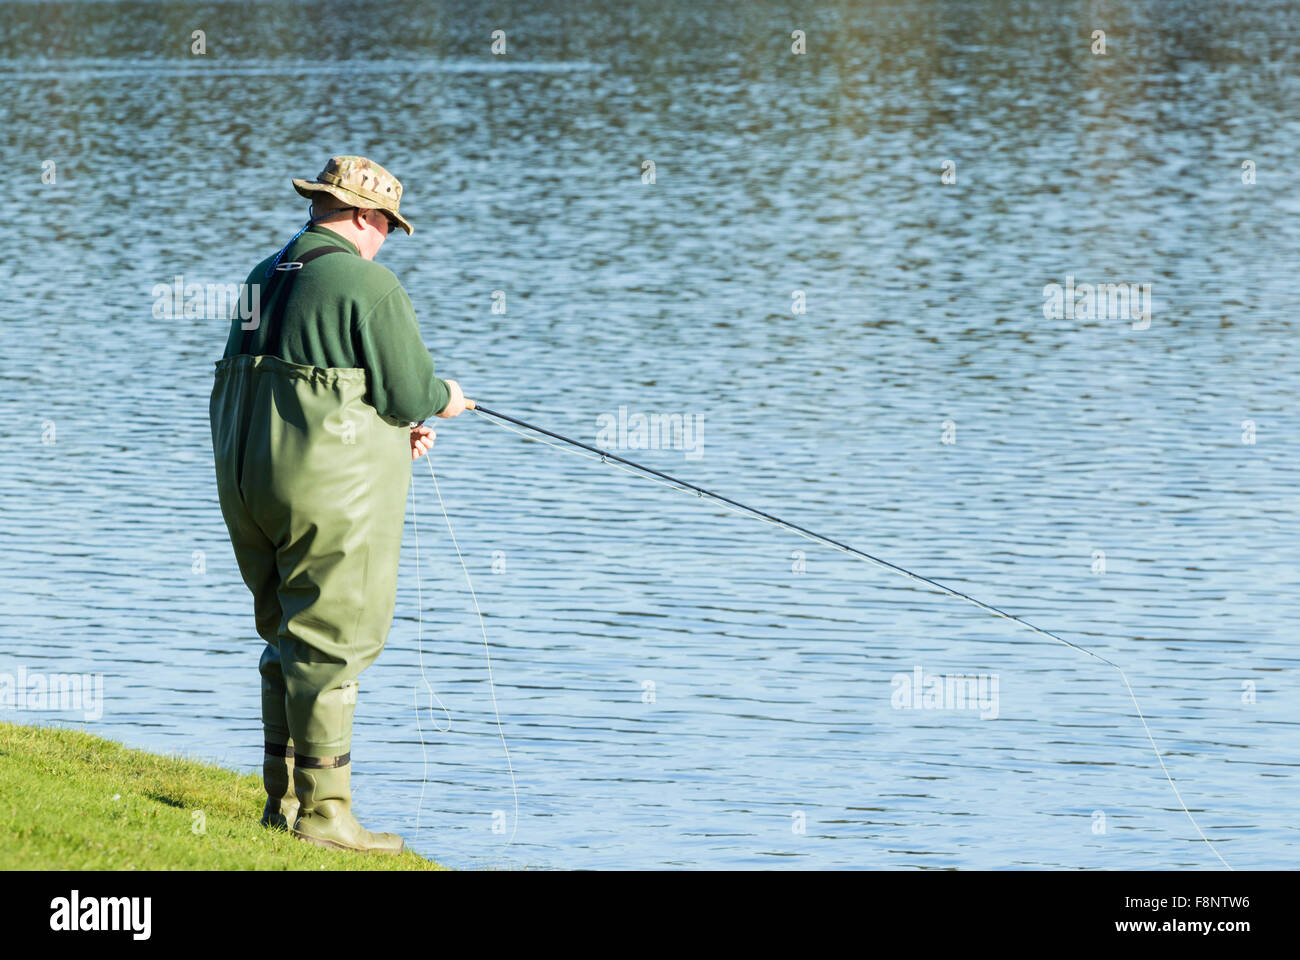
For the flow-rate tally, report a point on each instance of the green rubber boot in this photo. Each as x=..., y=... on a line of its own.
x=321, y=719
x=325, y=817
x=281, y=808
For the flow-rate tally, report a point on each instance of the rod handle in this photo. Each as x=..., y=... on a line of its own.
x=469, y=404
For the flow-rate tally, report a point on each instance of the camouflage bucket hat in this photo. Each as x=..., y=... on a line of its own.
x=359, y=182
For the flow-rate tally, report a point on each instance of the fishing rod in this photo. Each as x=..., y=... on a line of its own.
x=605, y=456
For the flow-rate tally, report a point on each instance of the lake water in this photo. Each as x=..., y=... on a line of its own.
x=677, y=685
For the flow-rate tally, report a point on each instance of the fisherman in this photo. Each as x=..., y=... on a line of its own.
x=316, y=413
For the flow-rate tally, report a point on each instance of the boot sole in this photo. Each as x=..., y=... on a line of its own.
x=278, y=822
x=331, y=845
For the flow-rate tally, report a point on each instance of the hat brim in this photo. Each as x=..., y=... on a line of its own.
x=309, y=188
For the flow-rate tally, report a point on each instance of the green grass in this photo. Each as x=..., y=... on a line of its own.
x=72, y=801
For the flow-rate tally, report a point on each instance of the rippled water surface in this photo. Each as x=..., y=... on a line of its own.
x=672, y=689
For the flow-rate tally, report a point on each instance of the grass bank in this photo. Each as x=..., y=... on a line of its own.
x=72, y=801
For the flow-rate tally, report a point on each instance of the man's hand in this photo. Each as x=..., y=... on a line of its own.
x=421, y=441
x=456, y=405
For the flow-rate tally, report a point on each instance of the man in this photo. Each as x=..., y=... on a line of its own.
x=316, y=416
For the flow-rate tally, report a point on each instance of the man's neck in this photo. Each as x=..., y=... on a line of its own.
x=348, y=233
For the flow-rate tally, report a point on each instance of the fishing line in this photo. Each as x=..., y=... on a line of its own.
x=595, y=453
x=514, y=788
x=419, y=648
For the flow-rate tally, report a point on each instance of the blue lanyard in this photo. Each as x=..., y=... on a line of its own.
x=311, y=220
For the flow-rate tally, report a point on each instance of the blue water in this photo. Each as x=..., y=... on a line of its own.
x=676, y=685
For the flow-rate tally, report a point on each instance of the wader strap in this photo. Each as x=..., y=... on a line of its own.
x=278, y=750
x=322, y=763
x=280, y=288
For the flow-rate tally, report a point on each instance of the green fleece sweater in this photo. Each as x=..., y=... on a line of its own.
x=344, y=311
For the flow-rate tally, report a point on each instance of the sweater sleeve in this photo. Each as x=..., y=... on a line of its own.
x=399, y=368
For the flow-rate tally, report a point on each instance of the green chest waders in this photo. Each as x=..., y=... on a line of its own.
x=313, y=485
